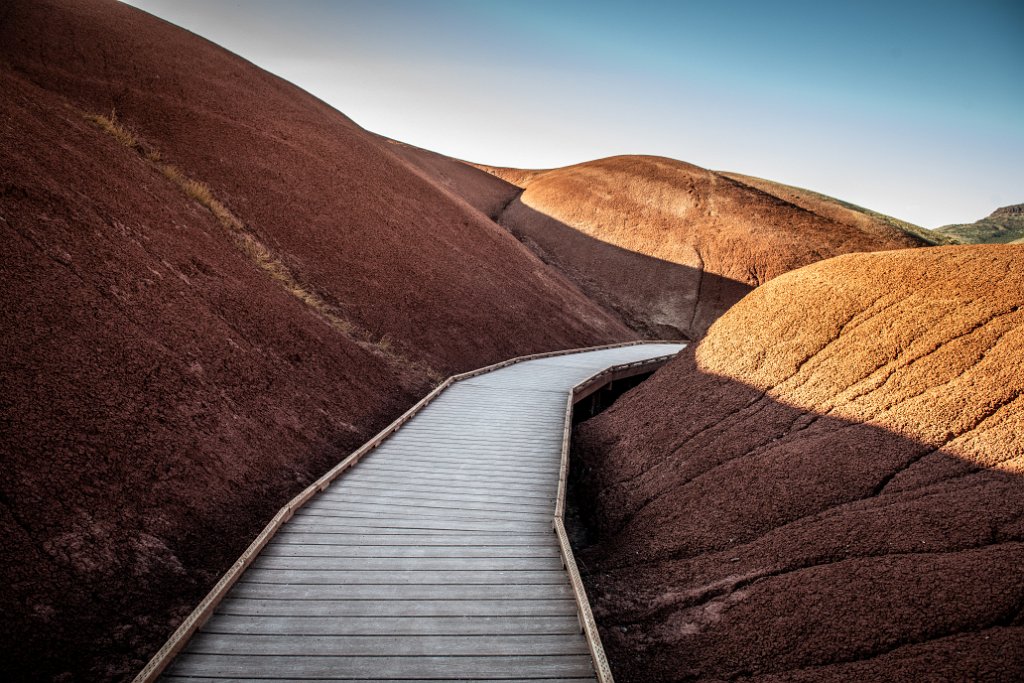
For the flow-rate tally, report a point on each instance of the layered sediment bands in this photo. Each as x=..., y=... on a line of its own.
x=827, y=487
x=670, y=245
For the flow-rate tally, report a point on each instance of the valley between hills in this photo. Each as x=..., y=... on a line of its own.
x=216, y=287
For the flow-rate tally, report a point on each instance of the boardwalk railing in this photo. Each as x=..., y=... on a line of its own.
x=205, y=609
x=584, y=612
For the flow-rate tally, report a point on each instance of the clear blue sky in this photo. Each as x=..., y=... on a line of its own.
x=915, y=109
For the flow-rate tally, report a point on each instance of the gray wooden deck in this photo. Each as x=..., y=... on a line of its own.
x=432, y=559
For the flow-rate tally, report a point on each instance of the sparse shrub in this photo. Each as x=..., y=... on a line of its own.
x=115, y=128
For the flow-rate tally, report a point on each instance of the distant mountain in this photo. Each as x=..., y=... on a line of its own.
x=1002, y=226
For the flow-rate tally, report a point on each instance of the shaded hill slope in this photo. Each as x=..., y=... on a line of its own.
x=841, y=212
x=830, y=486
x=670, y=245
x=1004, y=225
x=208, y=299
x=483, y=191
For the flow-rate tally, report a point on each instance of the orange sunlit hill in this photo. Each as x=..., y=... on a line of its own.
x=841, y=446
x=793, y=454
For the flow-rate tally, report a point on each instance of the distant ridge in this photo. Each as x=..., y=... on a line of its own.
x=1003, y=226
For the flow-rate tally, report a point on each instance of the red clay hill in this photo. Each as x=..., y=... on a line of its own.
x=670, y=246
x=209, y=298
x=215, y=286
x=828, y=487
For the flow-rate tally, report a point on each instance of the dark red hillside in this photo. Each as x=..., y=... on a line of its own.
x=206, y=303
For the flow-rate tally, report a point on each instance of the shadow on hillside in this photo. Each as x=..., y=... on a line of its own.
x=726, y=534
x=657, y=298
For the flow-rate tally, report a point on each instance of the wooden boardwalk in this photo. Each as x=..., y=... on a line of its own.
x=432, y=559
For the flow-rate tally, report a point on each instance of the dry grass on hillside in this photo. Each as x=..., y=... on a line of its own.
x=250, y=245
x=115, y=128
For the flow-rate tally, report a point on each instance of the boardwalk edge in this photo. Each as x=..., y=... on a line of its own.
x=204, y=610
x=584, y=612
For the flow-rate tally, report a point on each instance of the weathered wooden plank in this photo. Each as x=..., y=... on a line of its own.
x=475, y=474
x=388, y=493
x=481, y=412
x=524, y=438
x=476, y=625
x=342, y=610
x=482, y=396
x=405, y=523
x=494, y=384
x=356, y=536
x=523, y=385
x=535, y=494
x=462, y=454
x=445, y=455
x=338, y=532
x=409, y=563
x=438, y=511
x=524, y=441
x=540, y=469
x=470, y=397
x=395, y=645
x=496, y=448
x=456, y=424
x=476, y=484
x=472, y=462
x=499, y=449
x=205, y=679
x=496, y=577
x=266, y=591
x=471, y=473
x=343, y=499
x=528, y=390
x=512, y=442
x=438, y=519
x=456, y=490
x=496, y=444
x=429, y=475
x=277, y=549
x=483, y=417
x=383, y=668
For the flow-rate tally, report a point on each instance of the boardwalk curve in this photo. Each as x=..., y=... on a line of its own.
x=433, y=559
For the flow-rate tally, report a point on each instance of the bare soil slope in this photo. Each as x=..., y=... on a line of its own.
x=485, y=192
x=840, y=211
x=828, y=487
x=670, y=245
x=206, y=303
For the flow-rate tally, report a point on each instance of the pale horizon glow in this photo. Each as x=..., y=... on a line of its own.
x=912, y=109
